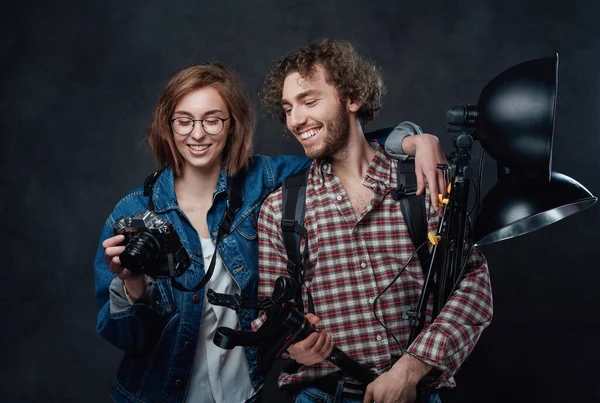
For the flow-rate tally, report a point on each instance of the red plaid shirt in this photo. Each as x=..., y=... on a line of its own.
x=350, y=261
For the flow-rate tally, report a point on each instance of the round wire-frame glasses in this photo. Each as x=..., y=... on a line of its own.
x=211, y=125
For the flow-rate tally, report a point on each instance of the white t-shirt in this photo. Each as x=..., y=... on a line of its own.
x=218, y=375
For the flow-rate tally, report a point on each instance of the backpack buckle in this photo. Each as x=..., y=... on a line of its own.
x=403, y=191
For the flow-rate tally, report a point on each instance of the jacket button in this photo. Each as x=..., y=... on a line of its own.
x=196, y=252
x=187, y=345
x=178, y=383
x=195, y=298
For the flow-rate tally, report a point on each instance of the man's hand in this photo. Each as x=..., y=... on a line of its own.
x=399, y=384
x=428, y=154
x=315, y=348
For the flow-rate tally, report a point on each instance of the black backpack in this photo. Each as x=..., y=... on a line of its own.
x=293, y=230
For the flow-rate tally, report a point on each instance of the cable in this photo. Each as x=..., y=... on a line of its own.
x=387, y=288
x=462, y=271
x=481, y=159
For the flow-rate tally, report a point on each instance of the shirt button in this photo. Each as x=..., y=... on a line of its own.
x=178, y=383
x=339, y=198
x=371, y=300
x=187, y=345
x=195, y=298
x=363, y=264
x=379, y=337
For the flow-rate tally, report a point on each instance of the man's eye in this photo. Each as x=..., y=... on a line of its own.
x=287, y=111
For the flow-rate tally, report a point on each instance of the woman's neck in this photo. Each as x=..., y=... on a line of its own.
x=196, y=183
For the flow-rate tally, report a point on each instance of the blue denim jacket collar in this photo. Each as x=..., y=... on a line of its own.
x=164, y=197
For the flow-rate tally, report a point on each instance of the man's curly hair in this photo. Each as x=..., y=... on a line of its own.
x=353, y=77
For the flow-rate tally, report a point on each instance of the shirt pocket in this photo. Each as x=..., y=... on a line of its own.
x=247, y=228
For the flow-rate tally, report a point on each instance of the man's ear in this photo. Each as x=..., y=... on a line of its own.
x=353, y=105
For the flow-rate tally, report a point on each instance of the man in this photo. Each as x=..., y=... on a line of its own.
x=357, y=243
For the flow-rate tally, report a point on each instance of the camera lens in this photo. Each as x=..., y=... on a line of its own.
x=140, y=252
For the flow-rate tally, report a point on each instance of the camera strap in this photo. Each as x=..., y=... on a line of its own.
x=234, y=203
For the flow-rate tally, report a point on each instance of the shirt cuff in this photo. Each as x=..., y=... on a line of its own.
x=119, y=299
x=393, y=144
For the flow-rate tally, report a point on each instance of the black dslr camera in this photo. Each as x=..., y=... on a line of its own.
x=284, y=325
x=152, y=245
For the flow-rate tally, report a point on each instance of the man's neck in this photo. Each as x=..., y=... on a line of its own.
x=350, y=166
x=352, y=161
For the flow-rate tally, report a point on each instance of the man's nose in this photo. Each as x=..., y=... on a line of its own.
x=296, y=119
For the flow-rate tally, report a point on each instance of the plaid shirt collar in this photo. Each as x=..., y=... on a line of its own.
x=380, y=175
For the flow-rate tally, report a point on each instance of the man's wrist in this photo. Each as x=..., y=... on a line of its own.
x=409, y=145
x=411, y=367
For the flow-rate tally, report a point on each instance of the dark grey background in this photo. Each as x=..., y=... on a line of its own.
x=79, y=81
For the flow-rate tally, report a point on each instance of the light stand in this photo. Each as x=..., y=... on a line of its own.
x=514, y=122
x=449, y=254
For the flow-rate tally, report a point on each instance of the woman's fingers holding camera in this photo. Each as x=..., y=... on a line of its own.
x=112, y=248
x=113, y=241
x=118, y=269
x=111, y=252
x=115, y=265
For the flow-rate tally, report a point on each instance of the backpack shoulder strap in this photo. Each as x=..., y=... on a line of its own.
x=292, y=227
x=413, y=209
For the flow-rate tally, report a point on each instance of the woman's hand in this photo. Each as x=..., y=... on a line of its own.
x=135, y=284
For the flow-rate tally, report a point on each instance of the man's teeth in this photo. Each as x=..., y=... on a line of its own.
x=198, y=148
x=309, y=134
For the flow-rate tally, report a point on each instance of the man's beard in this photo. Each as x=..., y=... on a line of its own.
x=338, y=133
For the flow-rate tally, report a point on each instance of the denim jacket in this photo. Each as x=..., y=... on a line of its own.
x=159, y=333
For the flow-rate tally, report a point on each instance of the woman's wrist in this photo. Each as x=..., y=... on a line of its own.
x=135, y=287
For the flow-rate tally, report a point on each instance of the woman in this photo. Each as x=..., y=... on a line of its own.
x=201, y=135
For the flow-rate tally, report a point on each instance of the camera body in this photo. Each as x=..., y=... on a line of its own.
x=152, y=246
